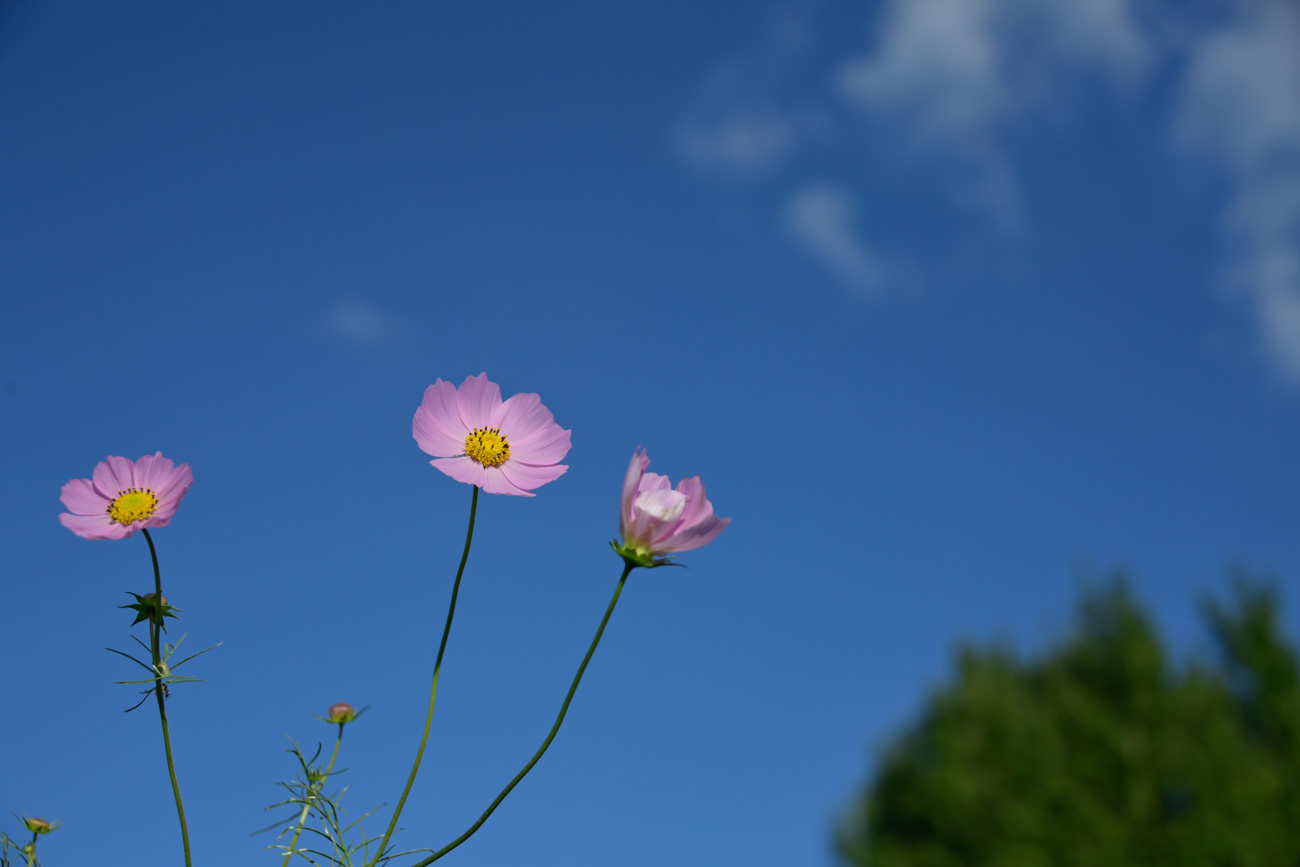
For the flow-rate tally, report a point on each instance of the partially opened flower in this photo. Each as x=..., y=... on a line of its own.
x=656, y=520
x=504, y=447
x=124, y=497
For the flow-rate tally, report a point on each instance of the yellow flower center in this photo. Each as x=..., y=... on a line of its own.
x=488, y=446
x=133, y=504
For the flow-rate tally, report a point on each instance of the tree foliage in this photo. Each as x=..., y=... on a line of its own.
x=1101, y=752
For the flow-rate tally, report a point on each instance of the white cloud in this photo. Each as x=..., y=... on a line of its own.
x=950, y=76
x=938, y=63
x=736, y=122
x=1103, y=33
x=960, y=84
x=1240, y=109
x=945, y=80
x=820, y=217
x=361, y=324
x=745, y=141
x=1240, y=101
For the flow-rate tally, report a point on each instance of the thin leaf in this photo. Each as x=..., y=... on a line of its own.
x=200, y=653
x=143, y=665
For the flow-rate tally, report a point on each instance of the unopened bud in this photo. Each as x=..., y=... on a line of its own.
x=37, y=826
x=342, y=713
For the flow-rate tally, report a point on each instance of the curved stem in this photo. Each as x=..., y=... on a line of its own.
x=564, y=709
x=315, y=787
x=154, y=647
x=433, y=690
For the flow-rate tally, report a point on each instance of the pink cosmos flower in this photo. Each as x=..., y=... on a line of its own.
x=504, y=447
x=656, y=520
x=124, y=497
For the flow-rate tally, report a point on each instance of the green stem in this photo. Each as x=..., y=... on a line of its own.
x=433, y=690
x=314, y=789
x=31, y=851
x=154, y=642
x=564, y=709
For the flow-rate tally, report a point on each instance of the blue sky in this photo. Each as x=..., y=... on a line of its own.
x=950, y=303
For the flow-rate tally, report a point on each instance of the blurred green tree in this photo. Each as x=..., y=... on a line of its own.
x=1101, y=753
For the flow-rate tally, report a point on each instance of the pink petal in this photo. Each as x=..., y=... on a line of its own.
x=655, y=515
x=113, y=476
x=80, y=496
x=123, y=468
x=631, y=481
x=666, y=506
x=495, y=481
x=170, y=494
x=165, y=511
x=478, y=398
x=522, y=416
x=700, y=534
x=527, y=478
x=173, y=486
x=463, y=469
x=432, y=437
x=151, y=471
x=94, y=526
x=440, y=403
x=698, y=506
x=654, y=482
x=546, y=447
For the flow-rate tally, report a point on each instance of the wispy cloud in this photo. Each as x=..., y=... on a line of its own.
x=740, y=120
x=820, y=218
x=950, y=76
x=944, y=80
x=963, y=84
x=360, y=323
x=741, y=140
x=1240, y=108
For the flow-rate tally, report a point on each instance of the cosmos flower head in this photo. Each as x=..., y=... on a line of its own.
x=503, y=447
x=657, y=520
x=122, y=497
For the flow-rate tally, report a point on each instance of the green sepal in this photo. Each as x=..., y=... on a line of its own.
x=335, y=722
x=637, y=557
x=152, y=608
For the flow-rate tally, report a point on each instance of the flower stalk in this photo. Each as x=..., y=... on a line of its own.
x=433, y=689
x=555, y=729
x=313, y=792
x=160, y=690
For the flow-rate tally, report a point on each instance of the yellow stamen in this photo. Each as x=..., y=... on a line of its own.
x=133, y=504
x=488, y=446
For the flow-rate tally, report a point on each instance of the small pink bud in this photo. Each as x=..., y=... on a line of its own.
x=150, y=596
x=342, y=713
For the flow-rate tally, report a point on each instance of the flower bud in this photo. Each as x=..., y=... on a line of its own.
x=38, y=826
x=342, y=713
